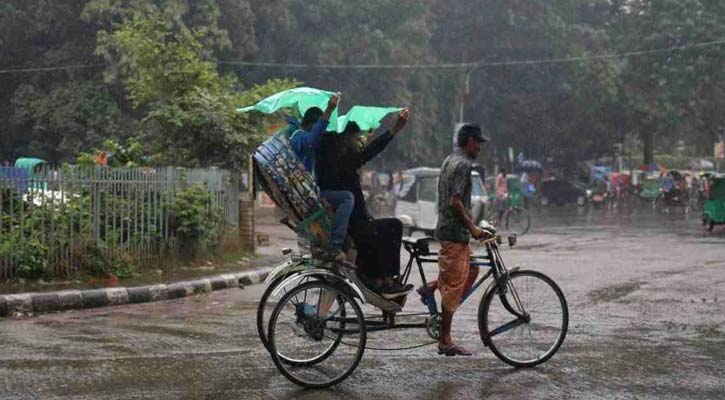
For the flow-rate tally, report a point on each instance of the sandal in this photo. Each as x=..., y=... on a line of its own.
x=453, y=350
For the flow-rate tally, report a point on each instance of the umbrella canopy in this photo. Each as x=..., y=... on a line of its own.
x=302, y=98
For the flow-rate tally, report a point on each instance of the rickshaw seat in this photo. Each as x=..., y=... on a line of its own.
x=419, y=244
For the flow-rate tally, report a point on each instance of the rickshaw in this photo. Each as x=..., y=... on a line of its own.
x=673, y=196
x=713, y=211
x=32, y=166
x=310, y=317
x=650, y=189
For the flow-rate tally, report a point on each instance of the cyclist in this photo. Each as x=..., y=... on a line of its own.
x=501, y=195
x=454, y=229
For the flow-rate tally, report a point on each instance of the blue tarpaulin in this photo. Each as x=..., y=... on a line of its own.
x=16, y=178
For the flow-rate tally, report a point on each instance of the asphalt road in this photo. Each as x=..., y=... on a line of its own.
x=647, y=321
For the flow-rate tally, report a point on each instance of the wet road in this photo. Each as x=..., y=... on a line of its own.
x=646, y=297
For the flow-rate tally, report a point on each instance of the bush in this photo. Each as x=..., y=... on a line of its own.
x=195, y=220
x=98, y=260
x=31, y=257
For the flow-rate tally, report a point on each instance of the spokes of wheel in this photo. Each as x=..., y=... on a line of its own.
x=267, y=304
x=537, y=332
x=518, y=221
x=316, y=335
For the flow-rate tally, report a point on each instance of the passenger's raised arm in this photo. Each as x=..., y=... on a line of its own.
x=400, y=123
x=331, y=105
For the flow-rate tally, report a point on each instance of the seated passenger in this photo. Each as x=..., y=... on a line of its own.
x=668, y=184
x=378, y=241
x=305, y=142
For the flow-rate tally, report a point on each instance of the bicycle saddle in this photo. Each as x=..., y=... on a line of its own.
x=417, y=241
x=419, y=244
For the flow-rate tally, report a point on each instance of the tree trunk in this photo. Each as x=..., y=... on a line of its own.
x=648, y=140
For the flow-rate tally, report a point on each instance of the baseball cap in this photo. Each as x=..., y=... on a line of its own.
x=471, y=131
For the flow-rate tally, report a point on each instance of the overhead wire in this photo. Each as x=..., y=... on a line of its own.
x=477, y=64
x=49, y=69
x=443, y=66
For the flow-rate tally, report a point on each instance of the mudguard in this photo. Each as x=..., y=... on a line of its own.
x=286, y=268
x=296, y=277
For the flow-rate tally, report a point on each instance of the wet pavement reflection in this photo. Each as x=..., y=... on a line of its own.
x=646, y=295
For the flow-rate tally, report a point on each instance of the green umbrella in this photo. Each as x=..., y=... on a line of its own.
x=367, y=118
x=303, y=98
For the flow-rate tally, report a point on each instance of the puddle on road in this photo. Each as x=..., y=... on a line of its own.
x=170, y=331
x=89, y=339
x=613, y=292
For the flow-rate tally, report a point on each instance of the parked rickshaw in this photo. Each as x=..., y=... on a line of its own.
x=650, y=189
x=32, y=166
x=713, y=211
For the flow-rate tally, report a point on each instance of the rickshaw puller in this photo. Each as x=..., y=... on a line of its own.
x=454, y=229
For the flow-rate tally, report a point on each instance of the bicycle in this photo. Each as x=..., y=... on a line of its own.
x=516, y=218
x=316, y=333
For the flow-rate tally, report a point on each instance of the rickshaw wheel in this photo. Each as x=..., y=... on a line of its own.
x=266, y=307
x=310, y=320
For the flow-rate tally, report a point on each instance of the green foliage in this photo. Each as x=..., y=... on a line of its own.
x=190, y=108
x=66, y=119
x=674, y=95
x=30, y=256
x=160, y=81
x=129, y=154
x=99, y=260
x=160, y=58
x=197, y=223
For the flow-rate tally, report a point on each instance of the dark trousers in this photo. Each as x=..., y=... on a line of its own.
x=378, y=246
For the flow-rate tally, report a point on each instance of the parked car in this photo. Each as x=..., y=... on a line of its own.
x=561, y=192
x=418, y=196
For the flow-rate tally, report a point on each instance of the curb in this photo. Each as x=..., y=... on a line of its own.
x=36, y=303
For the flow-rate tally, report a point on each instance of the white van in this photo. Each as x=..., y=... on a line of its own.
x=416, y=206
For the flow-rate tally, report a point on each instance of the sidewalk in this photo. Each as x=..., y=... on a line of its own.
x=150, y=287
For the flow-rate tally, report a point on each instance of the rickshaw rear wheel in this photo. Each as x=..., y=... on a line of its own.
x=302, y=326
x=263, y=310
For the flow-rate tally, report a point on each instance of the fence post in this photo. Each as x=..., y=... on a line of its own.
x=246, y=213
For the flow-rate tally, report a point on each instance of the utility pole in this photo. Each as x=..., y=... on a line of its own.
x=467, y=88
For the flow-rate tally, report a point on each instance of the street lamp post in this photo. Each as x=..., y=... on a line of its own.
x=467, y=88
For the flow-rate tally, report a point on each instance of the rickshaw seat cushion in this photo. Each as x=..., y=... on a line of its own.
x=420, y=244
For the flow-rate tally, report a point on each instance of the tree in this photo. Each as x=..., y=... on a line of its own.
x=68, y=119
x=39, y=33
x=188, y=108
x=673, y=95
